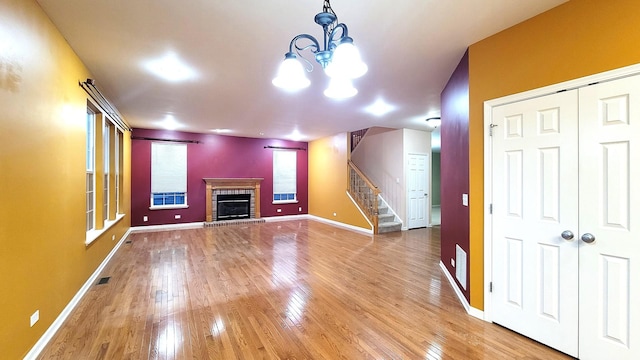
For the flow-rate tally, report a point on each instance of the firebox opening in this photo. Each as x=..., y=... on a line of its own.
x=235, y=206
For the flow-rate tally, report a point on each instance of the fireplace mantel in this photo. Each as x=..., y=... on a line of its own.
x=231, y=184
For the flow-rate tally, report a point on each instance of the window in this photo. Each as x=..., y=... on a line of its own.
x=119, y=161
x=284, y=177
x=90, y=164
x=105, y=160
x=168, y=175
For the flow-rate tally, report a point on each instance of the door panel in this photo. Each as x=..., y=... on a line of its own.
x=417, y=185
x=535, y=192
x=609, y=198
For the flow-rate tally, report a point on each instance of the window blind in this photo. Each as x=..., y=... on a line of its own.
x=168, y=167
x=284, y=172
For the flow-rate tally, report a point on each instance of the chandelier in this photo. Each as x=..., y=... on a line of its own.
x=339, y=58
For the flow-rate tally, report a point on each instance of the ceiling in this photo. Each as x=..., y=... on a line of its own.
x=233, y=49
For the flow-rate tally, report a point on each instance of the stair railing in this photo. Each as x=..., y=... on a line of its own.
x=364, y=192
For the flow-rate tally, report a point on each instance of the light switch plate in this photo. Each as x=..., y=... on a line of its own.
x=465, y=199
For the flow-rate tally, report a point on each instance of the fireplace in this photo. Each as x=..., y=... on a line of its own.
x=231, y=207
x=236, y=194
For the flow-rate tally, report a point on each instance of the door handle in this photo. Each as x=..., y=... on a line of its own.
x=588, y=238
x=567, y=235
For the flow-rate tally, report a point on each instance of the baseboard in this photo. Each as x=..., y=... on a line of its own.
x=166, y=227
x=285, y=217
x=342, y=225
x=57, y=323
x=470, y=310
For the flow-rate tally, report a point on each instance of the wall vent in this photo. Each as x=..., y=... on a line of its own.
x=103, y=280
x=461, y=266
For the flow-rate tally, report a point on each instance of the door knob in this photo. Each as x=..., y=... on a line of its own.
x=567, y=235
x=588, y=238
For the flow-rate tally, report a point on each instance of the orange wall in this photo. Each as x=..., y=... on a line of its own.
x=578, y=38
x=43, y=257
x=328, y=182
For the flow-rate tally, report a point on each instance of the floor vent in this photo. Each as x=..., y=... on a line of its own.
x=104, y=280
x=128, y=242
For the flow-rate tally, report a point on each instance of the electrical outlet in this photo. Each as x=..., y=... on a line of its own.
x=299, y=208
x=177, y=216
x=34, y=318
x=453, y=262
x=465, y=199
x=145, y=218
x=335, y=214
x=278, y=210
x=113, y=237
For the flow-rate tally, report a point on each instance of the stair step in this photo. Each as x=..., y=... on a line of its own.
x=382, y=209
x=387, y=227
x=382, y=218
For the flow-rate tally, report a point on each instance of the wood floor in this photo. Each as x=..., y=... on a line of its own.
x=280, y=290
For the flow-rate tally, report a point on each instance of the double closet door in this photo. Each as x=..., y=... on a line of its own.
x=566, y=219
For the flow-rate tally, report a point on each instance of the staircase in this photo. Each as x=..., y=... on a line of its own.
x=367, y=197
x=387, y=221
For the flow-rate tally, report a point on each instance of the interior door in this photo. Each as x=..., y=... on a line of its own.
x=535, y=193
x=417, y=193
x=610, y=211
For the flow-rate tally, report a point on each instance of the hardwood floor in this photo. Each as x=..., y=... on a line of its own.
x=280, y=290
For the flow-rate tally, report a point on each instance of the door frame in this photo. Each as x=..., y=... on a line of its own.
x=488, y=146
x=428, y=190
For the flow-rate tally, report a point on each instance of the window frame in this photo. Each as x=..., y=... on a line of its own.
x=159, y=188
x=282, y=168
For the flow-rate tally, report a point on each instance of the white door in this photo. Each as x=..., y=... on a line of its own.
x=535, y=192
x=610, y=211
x=579, y=295
x=417, y=194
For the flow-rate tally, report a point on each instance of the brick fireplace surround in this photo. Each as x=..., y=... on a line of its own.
x=216, y=186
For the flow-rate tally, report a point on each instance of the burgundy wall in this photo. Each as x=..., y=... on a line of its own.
x=454, y=165
x=216, y=156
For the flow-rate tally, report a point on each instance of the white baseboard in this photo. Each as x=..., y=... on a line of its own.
x=477, y=313
x=342, y=225
x=57, y=323
x=285, y=218
x=166, y=227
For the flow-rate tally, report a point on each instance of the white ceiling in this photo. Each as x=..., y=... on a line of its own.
x=235, y=47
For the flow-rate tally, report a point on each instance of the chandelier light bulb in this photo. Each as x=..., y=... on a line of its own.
x=291, y=74
x=346, y=62
x=340, y=88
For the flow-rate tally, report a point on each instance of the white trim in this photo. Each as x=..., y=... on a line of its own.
x=342, y=225
x=93, y=234
x=488, y=110
x=361, y=212
x=477, y=313
x=57, y=323
x=285, y=217
x=168, y=207
x=167, y=227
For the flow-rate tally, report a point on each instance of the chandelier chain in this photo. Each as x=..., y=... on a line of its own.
x=326, y=7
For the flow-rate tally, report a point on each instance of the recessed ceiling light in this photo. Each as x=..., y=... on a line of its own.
x=170, y=123
x=221, y=131
x=170, y=68
x=296, y=136
x=379, y=108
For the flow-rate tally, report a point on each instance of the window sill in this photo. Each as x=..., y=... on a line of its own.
x=285, y=202
x=168, y=207
x=93, y=235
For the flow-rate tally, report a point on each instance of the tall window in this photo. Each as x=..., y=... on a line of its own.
x=284, y=176
x=168, y=175
x=105, y=157
x=118, y=155
x=90, y=182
